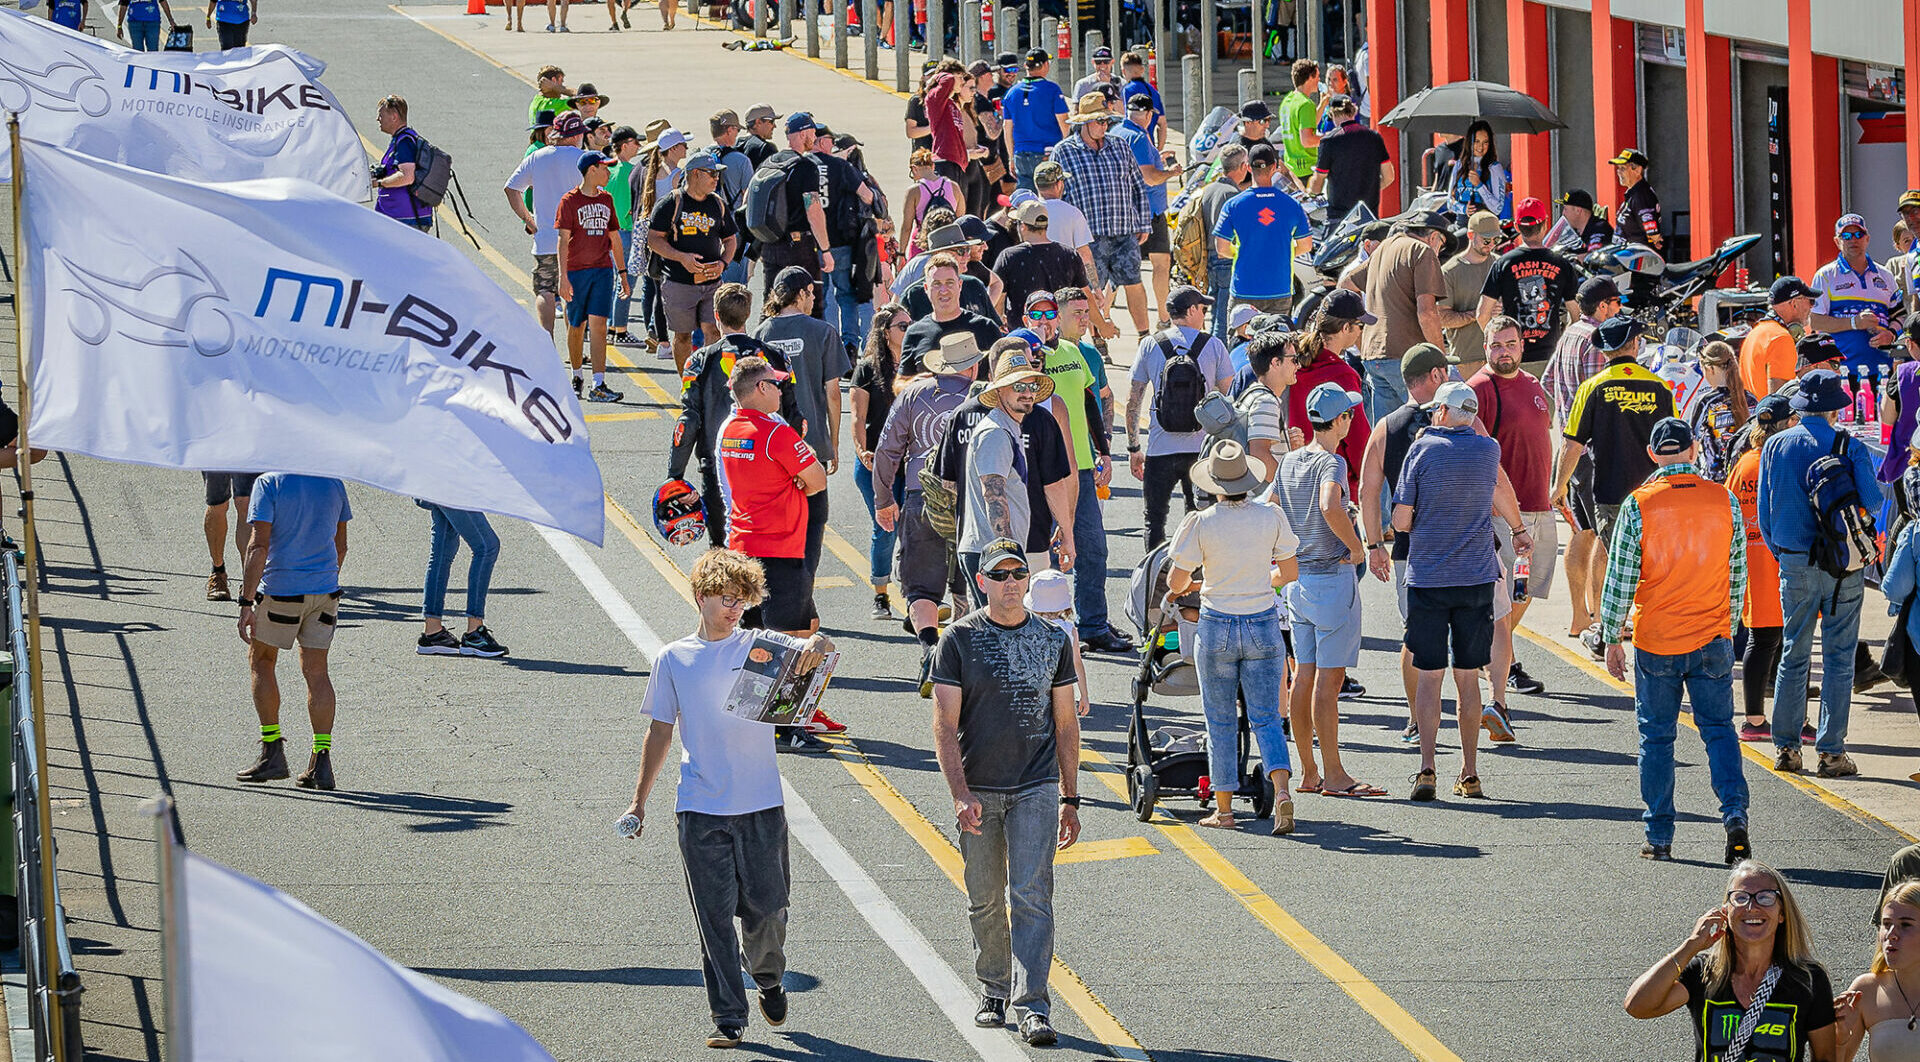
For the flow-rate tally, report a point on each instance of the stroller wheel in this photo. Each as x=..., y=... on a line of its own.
x=1260, y=784
x=1142, y=790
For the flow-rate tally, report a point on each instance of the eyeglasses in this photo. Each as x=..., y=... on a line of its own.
x=897, y=326
x=1764, y=898
x=731, y=601
x=1044, y=315
x=1001, y=575
x=1026, y=387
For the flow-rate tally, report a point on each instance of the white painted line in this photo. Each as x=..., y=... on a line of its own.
x=948, y=992
x=955, y=999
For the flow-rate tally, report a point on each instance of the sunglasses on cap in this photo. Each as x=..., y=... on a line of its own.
x=1043, y=315
x=1001, y=575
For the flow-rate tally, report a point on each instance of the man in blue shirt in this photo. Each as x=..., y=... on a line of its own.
x=1807, y=592
x=1857, y=299
x=1133, y=67
x=1156, y=171
x=1036, y=117
x=236, y=18
x=291, y=593
x=1261, y=229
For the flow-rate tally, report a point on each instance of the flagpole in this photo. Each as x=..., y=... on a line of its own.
x=173, y=929
x=23, y=467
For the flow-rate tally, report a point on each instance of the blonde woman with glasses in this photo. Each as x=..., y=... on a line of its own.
x=1747, y=976
x=1883, y=1005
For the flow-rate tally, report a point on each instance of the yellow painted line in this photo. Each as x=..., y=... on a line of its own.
x=1811, y=788
x=856, y=561
x=1111, y=848
x=398, y=10
x=832, y=582
x=650, y=549
x=1372, y=999
x=641, y=376
x=638, y=414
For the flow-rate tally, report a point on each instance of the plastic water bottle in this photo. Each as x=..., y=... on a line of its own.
x=628, y=826
x=1522, y=567
x=1849, y=384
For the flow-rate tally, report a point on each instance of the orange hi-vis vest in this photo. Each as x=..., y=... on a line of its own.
x=1686, y=530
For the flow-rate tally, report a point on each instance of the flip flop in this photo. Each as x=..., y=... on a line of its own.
x=1307, y=788
x=1357, y=789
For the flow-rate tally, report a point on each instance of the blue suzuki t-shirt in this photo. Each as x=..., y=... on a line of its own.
x=305, y=512
x=65, y=13
x=232, y=11
x=1264, y=222
x=1145, y=154
x=143, y=11
x=1031, y=106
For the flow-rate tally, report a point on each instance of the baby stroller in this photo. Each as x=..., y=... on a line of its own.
x=1172, y=759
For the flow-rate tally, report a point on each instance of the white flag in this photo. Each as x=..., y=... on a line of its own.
x=218, y=116
x=266, y=977
x=270, y=325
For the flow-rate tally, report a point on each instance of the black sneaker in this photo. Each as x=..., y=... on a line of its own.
x=1349, y=689
x=799, y=739
x=481, y=642
x=1867, y=675
x=1037, y=1032
x=1110, y=641
x=926, y=674
x=992, y=1013
x=1659, y=853
x=439, y=643
x=725, y=1036
x=882, y=606
x=1519, y=681
x=271, y=766
x=319, y=773
x=1738, y=846
x=579, y=387
x=773, y=1005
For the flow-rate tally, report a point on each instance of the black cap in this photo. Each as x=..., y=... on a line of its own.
x=1616, y=332
x=1772, y=409
x=1815, y=348
x=1576, y=197
x=975, y=229
x=1103, y=52
x=1630, y=156
x=792, y=281
x=1005, y=60
x=1596, y=290
x=1139, y=101
x=1037, y=56
x=1426, y=219
x=1671, y=436
x=1185, y=297
x=1256, y=111
x=1913, y=330
x=1345, y=305
x=1788, y=288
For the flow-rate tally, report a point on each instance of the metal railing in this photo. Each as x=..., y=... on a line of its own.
x=44, y=948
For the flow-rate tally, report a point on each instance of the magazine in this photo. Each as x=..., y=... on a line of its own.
x=772, y=688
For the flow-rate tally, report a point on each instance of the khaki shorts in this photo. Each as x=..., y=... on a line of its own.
x=546, y=274
x=1545, y=529
x=281, y=620
x=687, y=305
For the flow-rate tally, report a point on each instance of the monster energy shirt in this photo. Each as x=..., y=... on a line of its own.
x=1802, y=1002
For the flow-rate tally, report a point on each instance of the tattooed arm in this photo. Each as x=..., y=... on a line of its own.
x=993, y=490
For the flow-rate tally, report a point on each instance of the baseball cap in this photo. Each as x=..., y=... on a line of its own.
x=1038, y=57
x=670, y=139
x=702, y=162
x=799, y=122
x=791, y=281
x=1049, y=173
x=978, y=67
x=1422, y=358
x=1484, y=223
x=569, y=123
x=1241, y=316
x=976, y=230
x=1007, y=61
x=543, y=120
x=1788, y=288
x=1577, y=197
x=624, y=133
x=1908, y=198
x=1596, y=290
x=596, y=122
x=1376, y=230
x=1031, y=214
x=1616, y=332
x=1328, y=401
x=1102, y=52
x=1671, y=435
x=1256, y=110
x=592, y=159
x=1341, y=102
x=1816, y=348
x=1773, y=409
x=1347, y=306
x=1850, y=221
x=1185, y=297
x=1630, y=156
x=1001, y=550
x=1041, y=298
x=1271, y=322
x=759, y=111
x=1455, y=395
x=1530, y=211
x=1139, y=101
x=726, y=119
x=1023, y=196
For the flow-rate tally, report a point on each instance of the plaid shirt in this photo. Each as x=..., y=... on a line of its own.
x=1623, y=561
x=1106, y=185
x=1574, y=359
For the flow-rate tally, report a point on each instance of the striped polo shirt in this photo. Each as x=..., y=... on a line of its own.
x=1448, y=478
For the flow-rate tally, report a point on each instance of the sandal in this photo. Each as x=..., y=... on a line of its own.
x=1307, y=787
x=1216, y=822
x=1357, y=789
x=1283, y=818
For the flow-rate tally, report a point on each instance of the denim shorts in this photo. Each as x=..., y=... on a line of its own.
x=592, y=294
x=1117, y=260
x=1324, y=610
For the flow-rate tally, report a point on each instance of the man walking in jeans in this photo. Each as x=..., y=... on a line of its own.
x=1170, y=453
x=1807, y=592
x=1008, y=742
x=1679, y=559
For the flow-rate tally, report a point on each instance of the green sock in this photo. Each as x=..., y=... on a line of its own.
x=323, y=742
x=270, y=734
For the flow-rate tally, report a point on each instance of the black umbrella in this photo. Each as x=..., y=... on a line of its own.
x=1449, y=108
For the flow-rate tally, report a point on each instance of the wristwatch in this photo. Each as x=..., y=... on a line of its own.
x=1069, y=801
x=1376, y=545
x=1133, y=447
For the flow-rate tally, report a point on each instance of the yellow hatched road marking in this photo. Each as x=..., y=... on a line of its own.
x=655, y=554
x=855, y=561
x=1110, y=848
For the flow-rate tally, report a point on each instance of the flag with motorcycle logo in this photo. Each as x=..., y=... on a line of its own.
x=215, y=116
x=271, y=325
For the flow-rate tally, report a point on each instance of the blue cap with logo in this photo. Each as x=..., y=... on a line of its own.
x=1328, y=401
x=1671, y=436
x=799, y=122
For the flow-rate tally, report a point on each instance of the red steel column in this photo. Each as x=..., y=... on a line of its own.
x=1531, y=71
x=1383, y=86
x=1452, y=30
x=1616, y=122
x=1912, y=27
x=1709, y=131
x=1813, y=122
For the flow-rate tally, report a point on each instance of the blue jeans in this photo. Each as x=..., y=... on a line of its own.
x=1009, y=879
x=1089, y=561
x=1707, y=675
x=1807, y=594
x=880, y=544
x=851, y=317
x=143, y=36
x=1242, y=655
x=1386, y=388
x=450, y=528
x=735, y=273
x=1220, y=287
x=1024, y=163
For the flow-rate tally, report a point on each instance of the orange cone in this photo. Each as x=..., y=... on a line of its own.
x=476, y=7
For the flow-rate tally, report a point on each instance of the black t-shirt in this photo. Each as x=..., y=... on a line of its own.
x=1534, y=284
x=1802, y=1001
x=1613, y=415
x=1006, y=677
x=804, y=176
x=999, y=238
x=1403, y=425
x=917, y=114
x=1640, y=215
x=1351, y=160
x=1030, y=267
x=755, y=149
x=1048, y=462
x=924, y=335
x=692, y=226
x=973, y=299
x=866, y=376
x=845, y=212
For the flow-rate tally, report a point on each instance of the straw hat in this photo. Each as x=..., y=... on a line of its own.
x=1089, y=108
x=1015, y=366
x=1229, y=469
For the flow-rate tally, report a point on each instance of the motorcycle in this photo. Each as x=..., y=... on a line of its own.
x=1660, y=293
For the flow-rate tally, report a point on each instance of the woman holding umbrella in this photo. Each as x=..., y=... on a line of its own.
x=1479, y=181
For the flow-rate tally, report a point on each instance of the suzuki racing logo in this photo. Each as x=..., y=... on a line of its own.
x=320, y=301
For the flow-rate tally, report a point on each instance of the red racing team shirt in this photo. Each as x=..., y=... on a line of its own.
x=766, y=511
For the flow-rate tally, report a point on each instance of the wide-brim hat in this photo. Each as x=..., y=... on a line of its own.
x=1820, y=392
x=586, y=91
x=949, y=238
x=956, y=353
x=1089, y=108
x=1050, y=591
x=1229, y=469
x=1014, y=367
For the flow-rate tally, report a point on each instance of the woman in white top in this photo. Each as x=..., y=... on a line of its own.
x=1244, y=550
x=1883, y=1005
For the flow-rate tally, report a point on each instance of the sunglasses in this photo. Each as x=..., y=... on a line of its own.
x=1025, y=387
x=1763, y=898
x=1853, y=234
x=1044, y=315
x=1001, y=575
x=897, y=326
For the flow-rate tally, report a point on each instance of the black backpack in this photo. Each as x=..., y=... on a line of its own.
x=432, y=172
x=764, y=214
x=1180, y=389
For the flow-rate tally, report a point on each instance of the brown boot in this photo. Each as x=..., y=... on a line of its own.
x=271, y=765
x=319, y=772
x=217, y=586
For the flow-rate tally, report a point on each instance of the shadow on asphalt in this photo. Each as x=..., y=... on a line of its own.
x=445, y=814
x=800, y=1045
x=892, y=754
x=570, y=667
x=1826, y=877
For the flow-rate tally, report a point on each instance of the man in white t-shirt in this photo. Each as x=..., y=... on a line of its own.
x=732, y=816
x=550, y=173
x=1170, y=453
